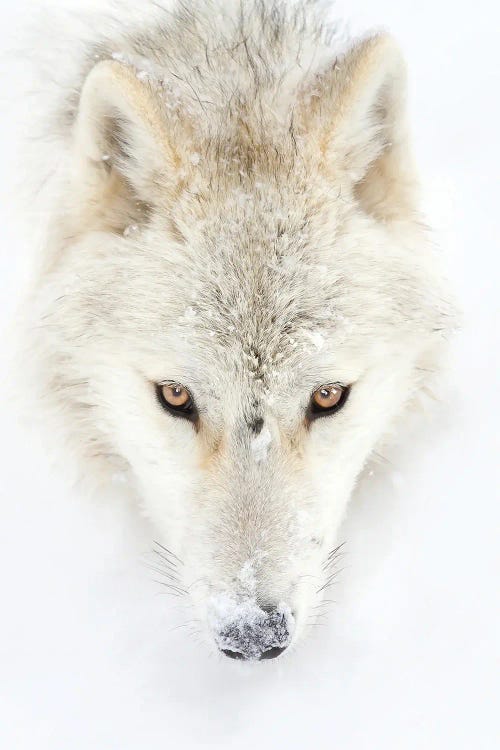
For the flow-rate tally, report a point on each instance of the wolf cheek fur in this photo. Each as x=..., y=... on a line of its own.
x=238, y=217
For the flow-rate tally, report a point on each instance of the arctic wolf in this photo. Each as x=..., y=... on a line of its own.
x=237, y=295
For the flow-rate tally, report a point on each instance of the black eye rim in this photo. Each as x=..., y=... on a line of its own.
x=315, y=412
x=186, y=411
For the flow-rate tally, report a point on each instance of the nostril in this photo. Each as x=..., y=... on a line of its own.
x=232, y=654
x=272, y=653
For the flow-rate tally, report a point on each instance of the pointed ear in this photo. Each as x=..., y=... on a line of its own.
x=123, y=157
x=361, y=106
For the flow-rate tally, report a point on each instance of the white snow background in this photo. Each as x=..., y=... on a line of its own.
x=408, y=658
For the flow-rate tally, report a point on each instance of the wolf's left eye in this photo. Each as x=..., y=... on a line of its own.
x=327, y=400
x=177, y=400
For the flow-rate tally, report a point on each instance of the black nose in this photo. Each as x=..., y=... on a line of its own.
x=271, y=653
x=261, y=634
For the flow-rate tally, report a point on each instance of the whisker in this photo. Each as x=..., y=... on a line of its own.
x=326, y=586
x=334, y=574
x=319, y=616
x=165, y=573
x=330, y=581
x=334, y=556
x=168, y=552
x=331, y=564
x=381, y=459
x=165, y=561
x=186, y=624
x=335, y=551
x=195, y=583
x=180, y=591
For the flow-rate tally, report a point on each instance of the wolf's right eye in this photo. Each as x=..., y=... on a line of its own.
x=327, y=400
x=177, y=400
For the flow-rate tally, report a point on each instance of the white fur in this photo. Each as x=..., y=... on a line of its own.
x=235, y=209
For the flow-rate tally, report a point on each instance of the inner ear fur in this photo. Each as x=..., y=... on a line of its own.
x=122, y=153
x=359, y=107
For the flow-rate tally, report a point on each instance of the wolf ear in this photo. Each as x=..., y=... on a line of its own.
x=363, y=126
x=122, y=151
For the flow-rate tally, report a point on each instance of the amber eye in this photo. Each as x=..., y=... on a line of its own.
x=177, y=400
x=327, y=400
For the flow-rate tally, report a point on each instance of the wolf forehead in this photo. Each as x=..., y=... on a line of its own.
x=246, y=255
x=254, y=271
x=259, y=270
x=253, y=288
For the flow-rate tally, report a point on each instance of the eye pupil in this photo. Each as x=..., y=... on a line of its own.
x=176, y=394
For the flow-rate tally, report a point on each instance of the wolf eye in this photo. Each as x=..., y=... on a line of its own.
x=327, y=400
x=177, y=400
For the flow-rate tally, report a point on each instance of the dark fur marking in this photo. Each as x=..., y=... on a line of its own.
x=257, y=425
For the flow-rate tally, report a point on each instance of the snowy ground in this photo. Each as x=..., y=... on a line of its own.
x=409, y=657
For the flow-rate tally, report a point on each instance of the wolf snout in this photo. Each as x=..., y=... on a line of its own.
x=245, y=630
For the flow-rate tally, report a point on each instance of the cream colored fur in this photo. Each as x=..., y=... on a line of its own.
x=236, y=210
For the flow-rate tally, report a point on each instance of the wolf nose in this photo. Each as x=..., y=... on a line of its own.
x=249, y=632
x=271, y=653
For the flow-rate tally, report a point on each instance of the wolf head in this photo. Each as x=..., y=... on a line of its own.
x=238, y=300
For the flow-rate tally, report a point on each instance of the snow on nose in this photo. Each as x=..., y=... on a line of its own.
x=246, y=631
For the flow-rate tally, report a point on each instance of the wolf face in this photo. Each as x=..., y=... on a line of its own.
x=238, y=300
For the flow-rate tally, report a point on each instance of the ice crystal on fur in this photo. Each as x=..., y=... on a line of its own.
x=261, y=444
